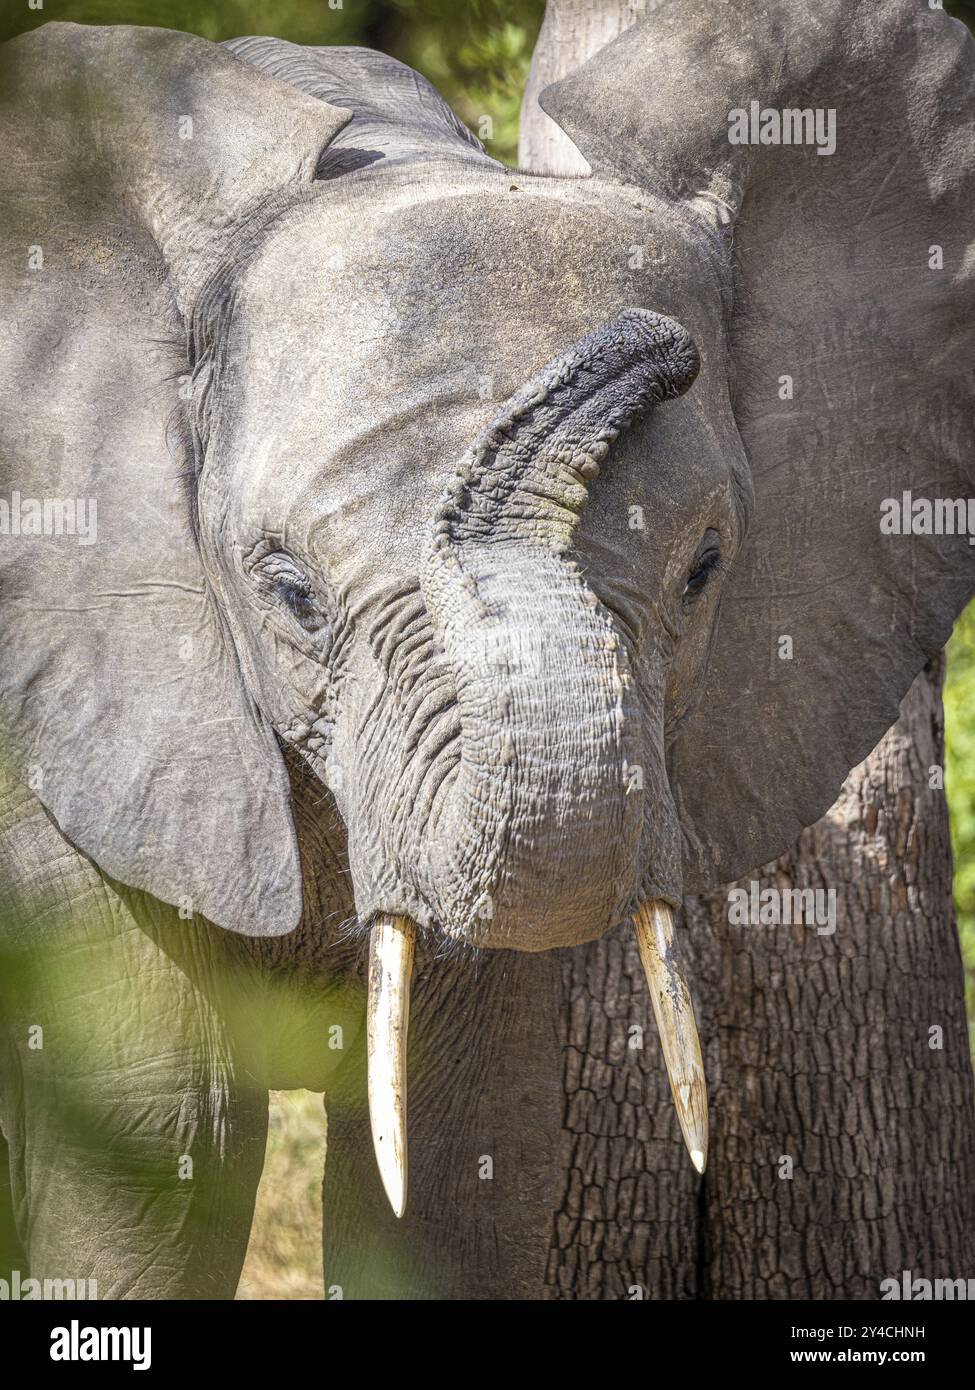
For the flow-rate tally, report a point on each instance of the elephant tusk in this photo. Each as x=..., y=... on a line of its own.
x=674, y=1012
x=387, y=1019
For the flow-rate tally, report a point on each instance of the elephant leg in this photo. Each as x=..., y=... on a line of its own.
x=136, y=1151
x=136, y=1138
x=484, y=1122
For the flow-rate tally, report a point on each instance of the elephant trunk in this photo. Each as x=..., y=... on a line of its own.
x=537, y=847
x=540, y=837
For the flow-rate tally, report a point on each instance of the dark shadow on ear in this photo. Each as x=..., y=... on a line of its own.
x=334, y=163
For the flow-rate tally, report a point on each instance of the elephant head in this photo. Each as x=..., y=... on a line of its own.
x=441, y=474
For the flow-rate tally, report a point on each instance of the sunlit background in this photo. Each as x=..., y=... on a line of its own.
x=477, y=53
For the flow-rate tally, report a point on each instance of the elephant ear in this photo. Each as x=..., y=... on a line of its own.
x=133, y=161
x=851, y=280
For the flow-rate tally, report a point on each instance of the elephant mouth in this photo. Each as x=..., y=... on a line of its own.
x=391, y=948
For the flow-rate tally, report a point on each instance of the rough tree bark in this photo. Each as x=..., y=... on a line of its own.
x=842, y=1123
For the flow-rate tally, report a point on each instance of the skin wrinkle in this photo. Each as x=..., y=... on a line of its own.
x=509, y=837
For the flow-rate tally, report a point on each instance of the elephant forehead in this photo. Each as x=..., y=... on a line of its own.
x=485, y=280
x=372, y=342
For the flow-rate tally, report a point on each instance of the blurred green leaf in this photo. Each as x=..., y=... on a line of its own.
x=960, y=786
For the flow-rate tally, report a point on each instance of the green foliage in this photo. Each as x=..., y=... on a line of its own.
x=477, y=56
x=301, y=21
x=960, y=785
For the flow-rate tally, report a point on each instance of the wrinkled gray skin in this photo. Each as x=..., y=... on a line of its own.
x=432, y=546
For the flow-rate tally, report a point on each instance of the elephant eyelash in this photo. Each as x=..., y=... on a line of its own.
x=285, y=585
x=295, y=596
x=710, y=564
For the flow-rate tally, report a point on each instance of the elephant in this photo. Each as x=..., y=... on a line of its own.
x=474, y=564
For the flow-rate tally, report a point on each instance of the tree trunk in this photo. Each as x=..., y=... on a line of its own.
x=572, y=31
x=842, y=1124
x=840, y=1078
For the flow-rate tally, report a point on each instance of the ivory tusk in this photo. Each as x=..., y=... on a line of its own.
x=387, y=1019
x=674, y=1012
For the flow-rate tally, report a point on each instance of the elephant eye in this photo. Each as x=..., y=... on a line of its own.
x=297, y=598
x=704, y=566
x=291, y=588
